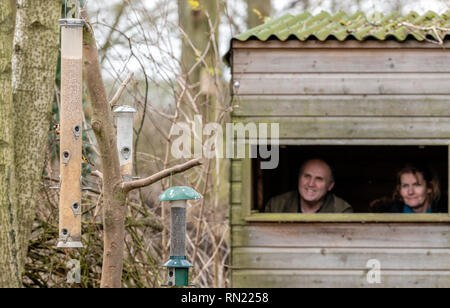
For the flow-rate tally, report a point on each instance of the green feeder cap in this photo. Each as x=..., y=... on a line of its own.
x=178, y=262
x=179, y=193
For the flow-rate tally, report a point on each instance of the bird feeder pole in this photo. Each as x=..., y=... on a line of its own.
x=125, y=117
x=70, y=132
x=178, y=266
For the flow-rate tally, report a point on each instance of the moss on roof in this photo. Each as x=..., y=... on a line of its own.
x=359, y=26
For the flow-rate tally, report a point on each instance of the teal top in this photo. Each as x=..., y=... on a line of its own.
x=179, y=193
x=408, y=210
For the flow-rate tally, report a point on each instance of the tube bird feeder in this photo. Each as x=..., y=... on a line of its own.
x=125, y=117
x=178, y=266
x=70, y=133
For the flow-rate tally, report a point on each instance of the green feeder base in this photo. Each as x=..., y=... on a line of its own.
x=177, y=271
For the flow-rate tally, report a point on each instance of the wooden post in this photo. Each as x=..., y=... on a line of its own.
x=71, y=133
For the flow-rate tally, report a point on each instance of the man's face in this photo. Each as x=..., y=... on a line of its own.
x=315, y=181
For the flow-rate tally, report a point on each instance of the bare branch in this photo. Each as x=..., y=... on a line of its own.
x=202, y=208
x=407, y=24
x=97, y=174
x=119, y=92
x=433, y=28
x=216, y=250
x=129, y=186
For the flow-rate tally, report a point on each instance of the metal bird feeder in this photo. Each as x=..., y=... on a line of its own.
x=178, y=266
x=125, y=117
x=71, y=130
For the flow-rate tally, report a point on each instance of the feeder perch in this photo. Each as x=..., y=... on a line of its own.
x=178, y=266
x=70, y=133
x=125, y=117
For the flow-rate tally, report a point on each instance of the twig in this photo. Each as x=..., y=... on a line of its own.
x=432, y=28
x=119, y=92
x=202, y=207
x=216, y=250
x=407, y=24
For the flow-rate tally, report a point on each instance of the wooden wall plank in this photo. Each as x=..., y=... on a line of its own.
x=343, y=105
x=391, y=44
x=339, y=258
x=356, y=127
x=376, y=142
x=340, y=60
x=348, y=217
x=342, y=83
x=329, y=235
x=337, y=278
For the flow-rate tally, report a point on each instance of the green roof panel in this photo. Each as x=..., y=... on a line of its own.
x=342, y=26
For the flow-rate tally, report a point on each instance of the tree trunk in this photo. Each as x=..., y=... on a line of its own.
x=194, y=23
x=200, y=65
x=34, y=60
x=9, y=271
x=196, y=44
x=114, y=198
x=256, y=18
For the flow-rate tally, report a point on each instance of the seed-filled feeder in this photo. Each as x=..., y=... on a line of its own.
x=124, y=117
x=70, y=133
x=178, y=266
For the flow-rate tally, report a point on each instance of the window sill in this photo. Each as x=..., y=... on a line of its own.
x=357, y=217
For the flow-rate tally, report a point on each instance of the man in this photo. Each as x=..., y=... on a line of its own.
x=315, y=182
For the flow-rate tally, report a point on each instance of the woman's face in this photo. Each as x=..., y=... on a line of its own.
x=413, y=190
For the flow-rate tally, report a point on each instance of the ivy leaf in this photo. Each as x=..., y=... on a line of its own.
x=195, y=5
x=257, y=12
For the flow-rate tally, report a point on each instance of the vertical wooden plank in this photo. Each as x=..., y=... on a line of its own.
x=236, y=192
x=237, y=217
x=236, y=171
x=247, y=186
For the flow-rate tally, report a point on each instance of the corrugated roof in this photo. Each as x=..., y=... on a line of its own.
x=359, y=26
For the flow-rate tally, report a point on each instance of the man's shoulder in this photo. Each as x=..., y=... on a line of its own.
x=282, y=202
x=341, y=206
x=285, y=196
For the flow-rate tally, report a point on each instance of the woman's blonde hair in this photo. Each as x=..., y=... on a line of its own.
x=429, y=176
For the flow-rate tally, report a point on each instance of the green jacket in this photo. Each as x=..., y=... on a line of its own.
x=289, y=203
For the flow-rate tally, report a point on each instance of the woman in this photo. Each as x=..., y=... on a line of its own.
x=417, y=191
